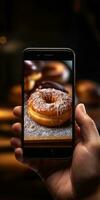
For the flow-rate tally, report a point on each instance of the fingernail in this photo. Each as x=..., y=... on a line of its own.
x=82, y=107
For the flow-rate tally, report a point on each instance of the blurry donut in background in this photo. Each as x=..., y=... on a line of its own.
x=88, y=92
x=56, y=71
x=68, y=88
x=31, y=74
x=52, y=84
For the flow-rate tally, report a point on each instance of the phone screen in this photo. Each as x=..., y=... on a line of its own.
x=48, y=103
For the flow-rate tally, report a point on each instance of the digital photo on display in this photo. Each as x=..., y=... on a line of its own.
x=47, y=103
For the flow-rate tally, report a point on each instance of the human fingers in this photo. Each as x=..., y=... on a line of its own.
x=87, y=126
x=15, y=142
x=16, y=127
x=17, y=111
x=19, y=154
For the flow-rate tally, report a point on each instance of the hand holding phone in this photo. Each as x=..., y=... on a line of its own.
x=48, y=102
x=69, y=178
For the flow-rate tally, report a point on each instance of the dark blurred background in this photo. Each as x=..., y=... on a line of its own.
x=74, y=24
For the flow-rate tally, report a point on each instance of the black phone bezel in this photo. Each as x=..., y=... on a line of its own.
x=49, y=54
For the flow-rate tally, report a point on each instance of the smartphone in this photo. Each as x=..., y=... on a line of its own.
x=48, y=102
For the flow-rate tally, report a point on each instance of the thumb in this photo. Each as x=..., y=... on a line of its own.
x=87, y=126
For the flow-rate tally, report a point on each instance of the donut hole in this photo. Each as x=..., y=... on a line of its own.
x=49, y=99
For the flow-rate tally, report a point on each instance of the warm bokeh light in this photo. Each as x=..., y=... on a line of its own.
x=3, y=40
x=6, y=114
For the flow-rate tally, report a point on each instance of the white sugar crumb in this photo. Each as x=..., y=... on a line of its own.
x=59, y=100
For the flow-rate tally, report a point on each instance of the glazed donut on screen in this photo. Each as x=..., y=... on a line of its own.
x=50, y=107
